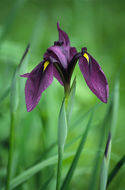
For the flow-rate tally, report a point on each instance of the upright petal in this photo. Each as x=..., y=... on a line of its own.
x=94, y=77
x=63, y=36
x=57, y=50
x=38, y=80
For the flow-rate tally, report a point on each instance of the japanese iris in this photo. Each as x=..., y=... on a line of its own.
x=59, y=61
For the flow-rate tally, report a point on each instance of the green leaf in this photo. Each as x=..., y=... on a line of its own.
x=71, y=100
x=105, y=164
x=80, y=117
x=115, y=170
x=27, y=174
x=104, y=171
x=46, y=183
x=62, y=126
x=115, y=106
x=62, y=134
x=5, y=94
x=96, y=164
x=113, y=122
x=76, y=157
x=14, y=93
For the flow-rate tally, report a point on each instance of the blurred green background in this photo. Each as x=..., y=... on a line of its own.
x=96, y=24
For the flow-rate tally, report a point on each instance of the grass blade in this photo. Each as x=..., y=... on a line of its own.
x=14, y=87
x=13, y=107
x=105, y=164
x=27, y=174
x=104, y=129
x=109, y=125
x=62, y=134
x=5, y=94
x=115, y=170
x=71, y=101
x=113, y=122
x=76, y=157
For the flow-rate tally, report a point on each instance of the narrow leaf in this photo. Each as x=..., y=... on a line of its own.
x=27, y=174
x=96, y=164
x=76, y=157
x=71, y=100
x=14, y=100
x=62, y=126
x=115, y=170
x=105, y=164
x=5, y=94
x=62, y=134
x=113, y=122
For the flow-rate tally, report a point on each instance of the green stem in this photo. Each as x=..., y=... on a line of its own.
x=62, y=134
x=10, y=155
x=59, y=169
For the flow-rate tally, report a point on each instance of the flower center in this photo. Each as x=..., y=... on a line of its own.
x=46, y=63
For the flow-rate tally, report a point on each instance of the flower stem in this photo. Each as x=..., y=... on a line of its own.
x=59, y=169
x=62, y=134
x=10, y=155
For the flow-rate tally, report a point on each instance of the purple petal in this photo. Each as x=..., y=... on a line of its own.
x=66, y=42
x=63, y=36
x=94, y=77
x=57, y=76
x=73, y=51
x=57, y=50
x=53, y=58
x=38, y=80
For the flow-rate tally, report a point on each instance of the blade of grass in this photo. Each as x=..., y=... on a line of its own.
x=113, y=122
x=64, y=116
x=27, y=174
x=71, y=101
x=62, y=134
x=5, y=94
x=76, y=157
x=115, y=170
x=83, y=116
x=105, y=164
x=104, y=131
x=46, y=183
x=13, y=107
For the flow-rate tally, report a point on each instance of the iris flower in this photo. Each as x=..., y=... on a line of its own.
x=59, y=61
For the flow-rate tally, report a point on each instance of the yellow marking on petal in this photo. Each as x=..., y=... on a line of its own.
x=45, y=65
x=86, y=56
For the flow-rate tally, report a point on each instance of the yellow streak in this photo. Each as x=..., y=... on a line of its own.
x=86, y=56
x=45, y=65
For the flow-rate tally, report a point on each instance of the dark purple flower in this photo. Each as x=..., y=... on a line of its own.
x=59, y=61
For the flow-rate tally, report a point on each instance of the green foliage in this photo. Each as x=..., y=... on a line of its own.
x=76, y=157
x=99, y=26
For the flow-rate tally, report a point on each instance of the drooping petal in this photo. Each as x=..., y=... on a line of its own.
x=38, y=80
x=94, y=77
x=63, y=36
